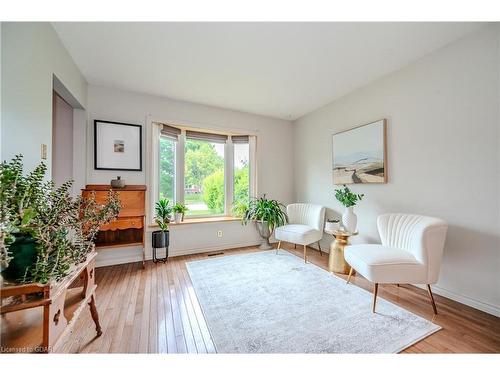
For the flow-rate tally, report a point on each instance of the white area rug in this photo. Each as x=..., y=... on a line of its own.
x=267, y=303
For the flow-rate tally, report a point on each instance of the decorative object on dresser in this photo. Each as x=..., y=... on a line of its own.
x=305, y=226
x=129, y=228
x=267, y=215
x=359, y=154
x=348, y=200
x=336, y=260
x=117, y=146
x=118, y=183
x=161, y=238
x=411, y=252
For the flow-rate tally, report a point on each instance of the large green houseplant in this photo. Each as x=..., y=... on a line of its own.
x=267, y=214
x=44, y=229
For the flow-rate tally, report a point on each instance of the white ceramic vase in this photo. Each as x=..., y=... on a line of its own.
x=177, y=217
x=349, y=220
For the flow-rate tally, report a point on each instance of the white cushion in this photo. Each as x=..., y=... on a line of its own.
x=297, y=233
x=383, y=264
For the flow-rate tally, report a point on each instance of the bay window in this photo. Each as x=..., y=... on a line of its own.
x=211, y=173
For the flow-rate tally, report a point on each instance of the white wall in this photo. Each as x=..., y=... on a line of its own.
x=443, y=141
x=274, y=153
x=31, y=54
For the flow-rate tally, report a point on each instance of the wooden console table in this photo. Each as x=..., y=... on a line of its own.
x=129, y=228
x=25, y=329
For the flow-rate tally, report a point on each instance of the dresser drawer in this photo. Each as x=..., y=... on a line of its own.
x=132, y=201
x=124, y=223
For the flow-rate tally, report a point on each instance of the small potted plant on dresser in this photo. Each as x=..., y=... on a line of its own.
x=179, y=211
x=160, y=238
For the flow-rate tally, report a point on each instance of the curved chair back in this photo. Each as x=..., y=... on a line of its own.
x=423, y=236
x=306, y=214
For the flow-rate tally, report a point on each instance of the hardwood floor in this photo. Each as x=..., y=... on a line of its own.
x=156, y=311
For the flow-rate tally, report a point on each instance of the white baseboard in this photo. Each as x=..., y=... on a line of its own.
x=103, y=259
x=483, y=306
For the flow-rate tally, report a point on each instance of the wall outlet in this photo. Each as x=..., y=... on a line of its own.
x=219, y=233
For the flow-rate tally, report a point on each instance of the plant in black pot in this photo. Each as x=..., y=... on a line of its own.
x=267, y=214
x=160, y=238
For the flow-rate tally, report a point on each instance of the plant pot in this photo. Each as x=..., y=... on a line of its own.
x=265, y=233
x=160, y=239
x=349, y=220
x=23, y=252
x=178, y=217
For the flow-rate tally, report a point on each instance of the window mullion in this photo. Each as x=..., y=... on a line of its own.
x=228, y=176
x=179, y=167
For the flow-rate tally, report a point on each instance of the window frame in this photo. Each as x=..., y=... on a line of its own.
x=153, y=171
x=176, y=146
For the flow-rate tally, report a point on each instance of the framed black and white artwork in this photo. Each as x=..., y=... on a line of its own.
x=117, y=146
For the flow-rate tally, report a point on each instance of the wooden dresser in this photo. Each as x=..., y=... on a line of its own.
x=129, y=229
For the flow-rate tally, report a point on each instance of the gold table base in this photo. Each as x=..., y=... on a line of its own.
x=336, y=260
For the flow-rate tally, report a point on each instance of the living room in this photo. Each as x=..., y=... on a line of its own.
x=250, y=187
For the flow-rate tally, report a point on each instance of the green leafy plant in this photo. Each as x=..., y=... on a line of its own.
x=347, y=197
x=213, y=191
x=265, y=210
x=180, y=208
x=63, y=227
x=163, y=211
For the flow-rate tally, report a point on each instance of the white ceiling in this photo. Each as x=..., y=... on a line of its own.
x=282, y=70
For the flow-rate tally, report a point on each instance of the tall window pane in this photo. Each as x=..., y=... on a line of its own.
x=167, y=169
x=241, y=182
x=204, y=178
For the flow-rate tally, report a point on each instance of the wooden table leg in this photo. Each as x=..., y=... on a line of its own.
x=95, y=315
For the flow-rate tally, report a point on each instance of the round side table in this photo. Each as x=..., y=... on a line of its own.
x=336, y=261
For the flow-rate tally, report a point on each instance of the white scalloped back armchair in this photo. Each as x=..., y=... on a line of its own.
x=410, y=253
x=305, y=226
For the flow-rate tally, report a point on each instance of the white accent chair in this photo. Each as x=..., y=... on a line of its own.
x=411, y=252
x=305, y=226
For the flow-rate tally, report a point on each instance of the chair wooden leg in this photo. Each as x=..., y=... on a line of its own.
x=349, y=277
x=432, y=299
x=305, y=254
x=295, y=246
x=319, y=247
x=375, y=291
x=278, y=248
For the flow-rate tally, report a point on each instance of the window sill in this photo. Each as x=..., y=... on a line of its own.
x=201, y=220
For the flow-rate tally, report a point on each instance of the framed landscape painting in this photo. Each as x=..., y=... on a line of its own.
x=359, y=155
x=117, y=146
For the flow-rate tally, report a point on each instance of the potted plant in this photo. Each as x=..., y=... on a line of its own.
x=179, y=210
x=348, y=200
x=267, y=214
x=160, y=238
x=45, y=229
